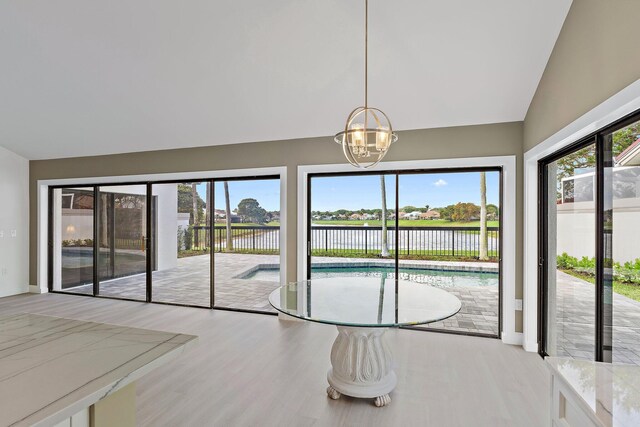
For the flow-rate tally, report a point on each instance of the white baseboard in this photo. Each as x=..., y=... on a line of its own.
x=35, y=289
x=531, y=346
x=512, y=338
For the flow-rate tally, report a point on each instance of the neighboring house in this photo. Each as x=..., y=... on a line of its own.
x=430, y=215
x=355, y=216
x=219, y=214
x=369, y=217
x=413, y=215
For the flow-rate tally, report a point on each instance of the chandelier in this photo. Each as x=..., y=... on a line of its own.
x=368, y=134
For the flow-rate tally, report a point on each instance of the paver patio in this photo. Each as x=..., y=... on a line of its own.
x=188, y=283
x=575, y=320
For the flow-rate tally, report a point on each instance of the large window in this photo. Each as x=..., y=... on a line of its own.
x=590, y=278
x=437, y=228
x=163, y=241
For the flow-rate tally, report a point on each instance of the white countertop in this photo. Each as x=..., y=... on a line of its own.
x=611, y=392
x=51, y=367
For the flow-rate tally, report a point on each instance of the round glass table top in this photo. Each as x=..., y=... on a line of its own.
x=364, y=302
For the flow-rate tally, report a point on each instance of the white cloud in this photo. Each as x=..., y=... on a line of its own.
x=440, y=183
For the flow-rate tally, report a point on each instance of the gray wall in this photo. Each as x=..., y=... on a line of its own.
x=467, y=141
x=596, y=56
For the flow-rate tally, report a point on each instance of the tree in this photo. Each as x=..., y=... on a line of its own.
x=185, y=200
x=493, y=212
x=446, y=213
x=483, y=217
x=426, y=207
x=194, y=199
x=383, y=217
x=409, y=209
x=585, y=158
x=465, y=212
x=227, y=206
x=251, y=211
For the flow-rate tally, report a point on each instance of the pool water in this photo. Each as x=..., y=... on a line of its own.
x=440, y=278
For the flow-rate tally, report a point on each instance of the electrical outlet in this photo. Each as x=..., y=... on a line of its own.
x=14, y=233
x=518, y=305
x=3, y=271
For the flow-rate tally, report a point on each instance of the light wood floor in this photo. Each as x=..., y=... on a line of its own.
x=251, y=369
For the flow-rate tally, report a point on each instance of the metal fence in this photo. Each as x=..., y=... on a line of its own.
x=463, y=242
x=412, y=241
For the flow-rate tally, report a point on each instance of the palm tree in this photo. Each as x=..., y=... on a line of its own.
x=207, y=219
x=194, y=201
x=385, y=246
x=483, y=217
x=227, y=208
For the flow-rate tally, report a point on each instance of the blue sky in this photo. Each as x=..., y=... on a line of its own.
x=363, y=192
x=265, y=191
x=435, y=190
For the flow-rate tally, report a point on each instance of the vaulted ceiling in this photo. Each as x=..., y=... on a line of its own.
x=82, y=77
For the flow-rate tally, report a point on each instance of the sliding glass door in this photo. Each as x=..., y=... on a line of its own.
x=71, y=240
x=182, y=243
x=162, y=241
x=570, y=247
x=441, y=228
x=590, y=270
x=246, y=242
x=122, y=241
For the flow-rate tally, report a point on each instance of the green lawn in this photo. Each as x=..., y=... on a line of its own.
x=409, y=223
x=629, y=290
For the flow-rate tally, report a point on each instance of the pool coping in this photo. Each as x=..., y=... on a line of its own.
x=435, y=266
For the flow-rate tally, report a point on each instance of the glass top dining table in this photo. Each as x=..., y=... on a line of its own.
x=364, y=302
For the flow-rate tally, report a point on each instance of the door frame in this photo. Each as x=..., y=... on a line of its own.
x=602, y=341
x=509, y=334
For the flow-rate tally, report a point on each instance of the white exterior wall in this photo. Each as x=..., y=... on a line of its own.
x=167, y=225
x=14, y=223
x=577, y=229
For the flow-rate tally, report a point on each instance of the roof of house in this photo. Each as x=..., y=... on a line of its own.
x=630, y=156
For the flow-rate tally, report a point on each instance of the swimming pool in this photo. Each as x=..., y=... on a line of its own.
x=435, y=277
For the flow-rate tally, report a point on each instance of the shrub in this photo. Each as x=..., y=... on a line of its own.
x=566, y=261
x=629, y=272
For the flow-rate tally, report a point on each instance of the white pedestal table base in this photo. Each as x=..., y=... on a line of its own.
x=361, y=365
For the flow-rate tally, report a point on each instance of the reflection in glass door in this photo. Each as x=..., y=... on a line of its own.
x=122, y=241
x=72, y=240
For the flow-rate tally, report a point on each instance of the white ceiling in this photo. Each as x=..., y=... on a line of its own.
x=86, y=77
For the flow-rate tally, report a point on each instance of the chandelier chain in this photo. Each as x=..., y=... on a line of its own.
x=366, y=52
